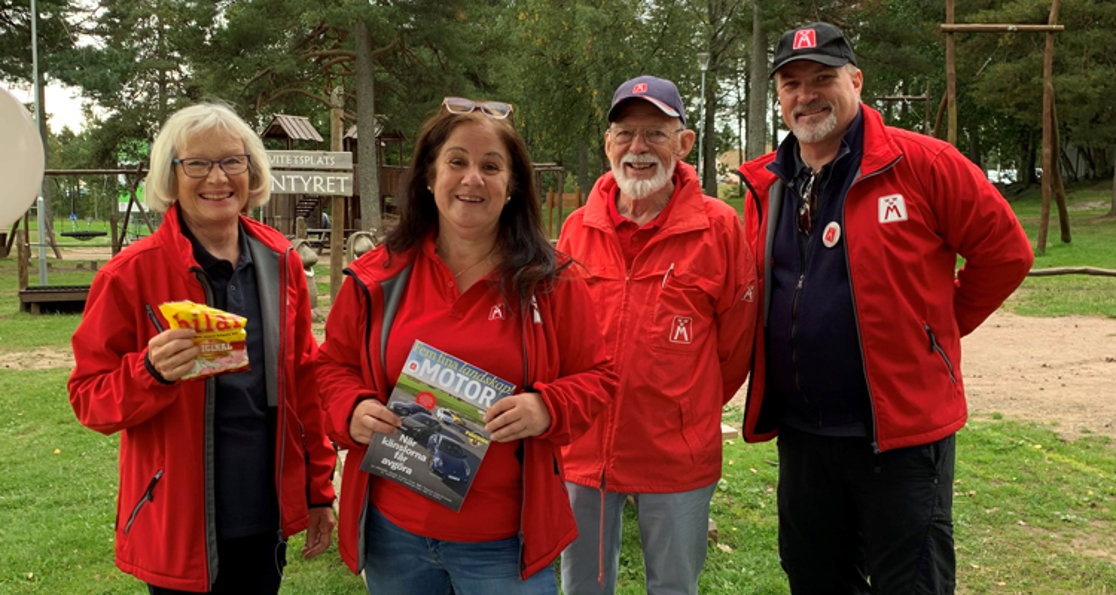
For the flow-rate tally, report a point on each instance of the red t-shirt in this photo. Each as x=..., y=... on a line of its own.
x=634, y=237
x=480, y=328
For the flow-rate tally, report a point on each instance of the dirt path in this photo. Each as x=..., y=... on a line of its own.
x=1060, y=370
x=1047, y=370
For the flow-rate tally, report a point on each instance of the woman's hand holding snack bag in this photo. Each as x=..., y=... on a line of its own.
x=172, y=353
x=217, y=342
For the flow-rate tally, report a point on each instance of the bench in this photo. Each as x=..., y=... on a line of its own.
x=53, y=298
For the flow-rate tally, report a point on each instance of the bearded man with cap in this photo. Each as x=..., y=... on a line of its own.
x=856, y=227
x=674, y=284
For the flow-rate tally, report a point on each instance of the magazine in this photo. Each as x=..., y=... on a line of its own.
x=441, y=443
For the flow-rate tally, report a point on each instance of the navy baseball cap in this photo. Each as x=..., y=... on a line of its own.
x=817, y=42
x=659, y=92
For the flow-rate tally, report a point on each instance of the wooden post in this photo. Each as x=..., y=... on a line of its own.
x=1048, y=156
x=549, y=212
x=1059, y=188
x=925, y=116
x=1049, y=132
x=562, y=200
x=23, y=256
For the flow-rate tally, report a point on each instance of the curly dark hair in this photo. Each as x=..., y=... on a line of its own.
x=528, y=261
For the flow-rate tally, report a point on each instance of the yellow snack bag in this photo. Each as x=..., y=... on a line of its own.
x=221, y=336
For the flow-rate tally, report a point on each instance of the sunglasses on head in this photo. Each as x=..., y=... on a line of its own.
x=497, y=110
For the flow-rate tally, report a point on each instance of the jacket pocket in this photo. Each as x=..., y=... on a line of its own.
x=936, y=347
x=682, y=314
x=148, y=496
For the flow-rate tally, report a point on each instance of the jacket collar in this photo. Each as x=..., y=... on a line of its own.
x=171, y=234
x=878, y=152
x=686, y=212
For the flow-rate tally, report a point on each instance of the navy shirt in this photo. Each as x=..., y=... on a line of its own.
x=247, y=502
x=815, y=369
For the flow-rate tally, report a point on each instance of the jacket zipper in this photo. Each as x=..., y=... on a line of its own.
x=794, y=333
x=148, y=496
x=873, y=429
x=209, y=450
x=936, y=347
x=804, y=251
x=281, y=393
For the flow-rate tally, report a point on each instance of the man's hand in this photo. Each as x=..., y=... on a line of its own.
x=320, y=531
x=516, y=417
x=371, y=416
x=172, y=353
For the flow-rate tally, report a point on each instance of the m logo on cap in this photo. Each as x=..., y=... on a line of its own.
x=805, y=39
x=640, y=88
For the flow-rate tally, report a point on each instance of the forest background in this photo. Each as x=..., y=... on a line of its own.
x=558, y=62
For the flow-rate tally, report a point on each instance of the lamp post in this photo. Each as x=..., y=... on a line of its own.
x=40, y=122
x=703, y=64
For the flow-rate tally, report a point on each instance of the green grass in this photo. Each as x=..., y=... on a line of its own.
x=1032, y=513
x=59, y=495
x=1093, y=244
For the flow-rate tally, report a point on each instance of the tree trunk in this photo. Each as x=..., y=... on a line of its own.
x=974, y=148
x=709, y=160
x=1057, y=185
x=583, y=181
x=757, y=91
x=1112, y=209
x=1027, y=165
x=368, y=166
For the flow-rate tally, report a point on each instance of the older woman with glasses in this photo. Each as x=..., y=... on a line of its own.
x=468, y=270
x=215, y=473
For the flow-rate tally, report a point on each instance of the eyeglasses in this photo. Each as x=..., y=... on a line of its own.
x=652, y=136
x=497, y=110
x=809, y=204
x=196, y=167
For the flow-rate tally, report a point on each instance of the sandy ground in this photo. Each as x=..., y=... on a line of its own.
x=1048, y=370
x=1059, y=371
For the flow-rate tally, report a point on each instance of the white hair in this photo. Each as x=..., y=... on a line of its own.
x=161, y=188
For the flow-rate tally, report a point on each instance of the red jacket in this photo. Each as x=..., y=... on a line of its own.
x=568, y=365
x=165, y=530
x=914, y=206
x=678, y=325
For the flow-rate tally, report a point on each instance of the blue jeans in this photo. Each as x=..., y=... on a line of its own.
x=398, y=562
x=673, y=531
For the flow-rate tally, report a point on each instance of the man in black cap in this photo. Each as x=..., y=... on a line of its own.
x=857, y=227
x=674, y=285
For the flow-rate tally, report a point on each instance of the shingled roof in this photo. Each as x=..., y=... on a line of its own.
x=292, y=127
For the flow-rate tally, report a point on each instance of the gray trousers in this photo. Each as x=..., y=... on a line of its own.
x=673, y=532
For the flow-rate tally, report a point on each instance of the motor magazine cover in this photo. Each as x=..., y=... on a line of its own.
x=437, y=450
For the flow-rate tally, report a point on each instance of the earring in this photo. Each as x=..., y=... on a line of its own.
x=508, y=199
x=430, y=190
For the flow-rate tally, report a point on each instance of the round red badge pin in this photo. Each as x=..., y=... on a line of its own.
x=832, y=234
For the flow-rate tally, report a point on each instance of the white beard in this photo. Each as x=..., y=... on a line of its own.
x=812, y=133
x=638, y=189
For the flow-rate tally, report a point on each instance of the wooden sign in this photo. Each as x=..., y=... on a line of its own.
x=310, y=159
x=317, y=173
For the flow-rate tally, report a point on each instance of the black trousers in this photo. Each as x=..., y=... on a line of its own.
x=852, y=521
x=246, y=565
